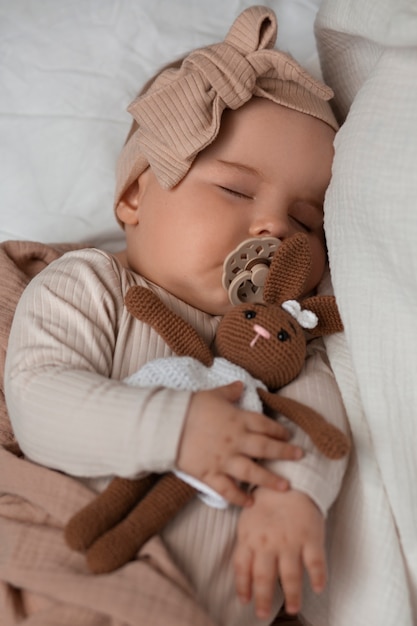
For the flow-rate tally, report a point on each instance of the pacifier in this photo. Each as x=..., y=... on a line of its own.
x=245, y=269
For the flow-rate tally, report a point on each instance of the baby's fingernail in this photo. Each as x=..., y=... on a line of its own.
x=298, y=453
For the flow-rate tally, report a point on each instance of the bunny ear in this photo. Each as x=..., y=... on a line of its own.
x=329, y=320
x=289, y=270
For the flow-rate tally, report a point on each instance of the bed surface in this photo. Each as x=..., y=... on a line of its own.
x=68, y=70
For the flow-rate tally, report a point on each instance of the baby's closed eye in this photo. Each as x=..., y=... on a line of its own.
x=236, y=192
x=308, y=216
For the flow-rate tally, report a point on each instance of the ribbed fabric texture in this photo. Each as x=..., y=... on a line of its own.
x=80, y=418
x=20, y=261
x=180, y=114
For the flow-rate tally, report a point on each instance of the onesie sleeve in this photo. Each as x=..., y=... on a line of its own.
x=67, y=409
x=315, y=474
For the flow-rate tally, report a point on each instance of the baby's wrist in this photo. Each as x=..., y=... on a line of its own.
x=264, y=495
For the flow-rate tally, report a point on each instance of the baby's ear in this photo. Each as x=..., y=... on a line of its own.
x=127, y=207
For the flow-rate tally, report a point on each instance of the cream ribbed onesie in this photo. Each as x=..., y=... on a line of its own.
x=72, y=343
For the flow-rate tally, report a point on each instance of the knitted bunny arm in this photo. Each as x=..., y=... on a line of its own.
x=183, y=339
x=328, y=439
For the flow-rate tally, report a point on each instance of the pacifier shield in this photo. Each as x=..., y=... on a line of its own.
x=245, y=269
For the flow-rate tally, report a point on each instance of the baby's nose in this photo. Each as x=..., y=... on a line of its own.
x=260, y=332
x=271, y=221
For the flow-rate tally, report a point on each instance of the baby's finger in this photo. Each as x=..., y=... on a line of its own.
x=264, y=582
x=315, y=564
x=229, y=489
x=242, y=562
x=260, y=446
x=257, y=422
x=246, y=470
x=290, y=570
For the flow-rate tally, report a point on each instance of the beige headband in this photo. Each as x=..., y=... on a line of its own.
x=180, y=113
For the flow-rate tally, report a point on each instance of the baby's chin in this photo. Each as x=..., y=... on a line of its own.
x=213, y=302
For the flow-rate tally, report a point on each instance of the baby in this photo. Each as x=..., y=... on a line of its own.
x=235, y=143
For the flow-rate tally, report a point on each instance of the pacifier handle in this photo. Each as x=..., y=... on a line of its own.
x=245, y=269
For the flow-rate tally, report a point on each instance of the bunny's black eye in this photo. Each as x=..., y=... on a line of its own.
x=283, y=335
x=249, y=315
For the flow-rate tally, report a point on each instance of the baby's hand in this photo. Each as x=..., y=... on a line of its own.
x=220, y=441
x=278, y=536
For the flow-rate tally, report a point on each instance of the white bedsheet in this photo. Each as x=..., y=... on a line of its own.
x=68, y=70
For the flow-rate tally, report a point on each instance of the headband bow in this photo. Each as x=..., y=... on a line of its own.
x=180, y=114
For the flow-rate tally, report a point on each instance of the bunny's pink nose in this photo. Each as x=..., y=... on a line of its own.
x=260, y=332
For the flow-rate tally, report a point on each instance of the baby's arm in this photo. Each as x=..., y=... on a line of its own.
x=315, y=482
x=68, y=408
x=277, y=538
x=71, y=412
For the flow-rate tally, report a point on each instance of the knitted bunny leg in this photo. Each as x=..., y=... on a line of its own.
x=106, y=510
x=150, y=516
x=331, y=441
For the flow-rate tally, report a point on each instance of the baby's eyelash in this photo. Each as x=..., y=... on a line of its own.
x=302, y=225
x=233, y=192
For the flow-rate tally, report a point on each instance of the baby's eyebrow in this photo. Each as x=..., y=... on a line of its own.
x=245, y=169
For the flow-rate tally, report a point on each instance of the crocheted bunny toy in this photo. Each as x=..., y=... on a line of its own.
x=263, y=344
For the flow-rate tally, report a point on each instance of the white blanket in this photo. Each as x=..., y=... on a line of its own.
x=369, y=56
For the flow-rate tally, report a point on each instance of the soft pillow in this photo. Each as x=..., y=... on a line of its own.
x=368, y=51
x=68, y=71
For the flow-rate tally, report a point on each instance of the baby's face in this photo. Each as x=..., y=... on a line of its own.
x=265, y=175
